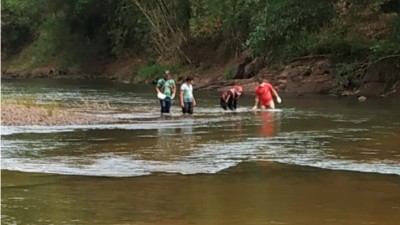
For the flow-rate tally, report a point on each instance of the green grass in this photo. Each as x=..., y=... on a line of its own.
x=155, y=71
x=29, y=102
x=229, y=73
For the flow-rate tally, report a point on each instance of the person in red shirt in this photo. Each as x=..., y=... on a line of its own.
x=264, y=95
x=229, y=98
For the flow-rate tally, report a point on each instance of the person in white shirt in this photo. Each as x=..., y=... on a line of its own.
x=186, y=96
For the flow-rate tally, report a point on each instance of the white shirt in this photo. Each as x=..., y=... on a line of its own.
x=187, y=92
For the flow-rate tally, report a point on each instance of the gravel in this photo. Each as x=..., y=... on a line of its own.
x=21, y=115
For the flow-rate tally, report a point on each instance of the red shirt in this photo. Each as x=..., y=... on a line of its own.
x=232, y=93
x=264, y=92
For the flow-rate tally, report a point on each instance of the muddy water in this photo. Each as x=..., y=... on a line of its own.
x=315, y=160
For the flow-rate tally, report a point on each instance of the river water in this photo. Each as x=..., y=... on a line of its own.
x=315, y=160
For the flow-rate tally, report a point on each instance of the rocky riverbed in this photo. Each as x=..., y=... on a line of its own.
x=21, y=115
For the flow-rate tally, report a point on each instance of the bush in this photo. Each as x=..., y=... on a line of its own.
x=155, y=70
x=349, y=75
x=389, y=45
x=19, y=21
x=229, y=73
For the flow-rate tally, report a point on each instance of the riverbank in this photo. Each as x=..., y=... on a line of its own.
x=314, y=75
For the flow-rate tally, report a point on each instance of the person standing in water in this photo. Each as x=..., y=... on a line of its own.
x=264, y=95
x=186, y=96
x=229, y=98
x=166, y=86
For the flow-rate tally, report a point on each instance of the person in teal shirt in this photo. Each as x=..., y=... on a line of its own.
x=166, y=85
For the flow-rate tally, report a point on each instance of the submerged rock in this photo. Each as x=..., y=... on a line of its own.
x=362, y=99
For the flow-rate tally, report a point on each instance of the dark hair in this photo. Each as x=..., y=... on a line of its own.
x=189, y=79
x=260, y=80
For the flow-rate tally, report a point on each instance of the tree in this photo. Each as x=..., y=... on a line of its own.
x=169, y=26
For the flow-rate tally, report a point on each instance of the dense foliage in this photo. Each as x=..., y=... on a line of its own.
x=80, y=32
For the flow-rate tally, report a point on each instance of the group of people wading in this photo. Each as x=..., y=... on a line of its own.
x=166, y=90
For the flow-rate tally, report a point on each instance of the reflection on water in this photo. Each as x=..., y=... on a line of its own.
x=246, y=167
x=173, y=143
x=268, y=123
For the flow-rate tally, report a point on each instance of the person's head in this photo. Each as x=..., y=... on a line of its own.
x=239, y=90
x=167, y=75
x=260, y=81
x=189, y=80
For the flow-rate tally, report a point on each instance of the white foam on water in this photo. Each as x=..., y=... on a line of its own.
x=112, y=166
x=156, y=123
x=210, y=158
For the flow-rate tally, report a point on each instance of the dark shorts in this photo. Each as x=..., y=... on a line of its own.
x=188, y=108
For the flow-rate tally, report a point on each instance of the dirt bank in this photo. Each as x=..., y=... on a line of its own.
x=300, y=77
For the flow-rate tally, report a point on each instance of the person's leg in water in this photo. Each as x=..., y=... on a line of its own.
x=223, y=104
x=190, y=108
x=270, y=105
x=163, y=105
x=234, y=105
x=230, y=105
x=185, y=108
x=167, y=105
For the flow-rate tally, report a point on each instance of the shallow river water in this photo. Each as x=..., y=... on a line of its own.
x=314, y=160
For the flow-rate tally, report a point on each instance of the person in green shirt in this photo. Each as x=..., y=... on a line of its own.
x=166, y=85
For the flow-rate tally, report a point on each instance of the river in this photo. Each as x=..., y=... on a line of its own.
x=314, y=160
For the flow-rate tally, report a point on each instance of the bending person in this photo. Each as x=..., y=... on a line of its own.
x=230, y=97
x=264, y=95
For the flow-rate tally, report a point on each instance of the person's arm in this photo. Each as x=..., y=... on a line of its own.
x=278, y=99
x=194, y=101
x=181, y=98
x=158, y=86
x=158, y=89
x=257, y=99
x=228, y=97
x=181, y=95
x=173, y=89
